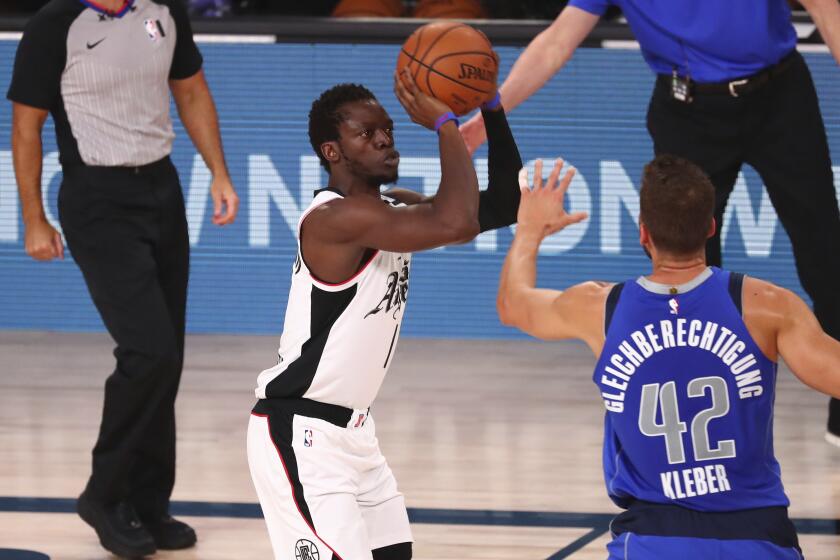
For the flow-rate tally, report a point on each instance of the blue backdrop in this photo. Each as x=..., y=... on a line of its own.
x=592, y=113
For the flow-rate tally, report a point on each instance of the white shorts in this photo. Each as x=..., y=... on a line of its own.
x=325, y=490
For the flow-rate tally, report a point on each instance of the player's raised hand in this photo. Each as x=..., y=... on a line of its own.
x=423, y=109
x=541, y=206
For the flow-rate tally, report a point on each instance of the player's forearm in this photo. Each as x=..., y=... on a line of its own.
x=545, y=55
x=456, y=203
x=28, y=157
x=519, y=275
x=499, y=204
x=826, y=16
x=198, y=114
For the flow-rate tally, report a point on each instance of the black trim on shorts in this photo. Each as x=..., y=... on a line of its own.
x=612, y=302
x=281, y=430
x=736, y=289
x=770, y=524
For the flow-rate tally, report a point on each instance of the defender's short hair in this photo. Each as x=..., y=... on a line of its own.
x=677, y=204
x=325, y=115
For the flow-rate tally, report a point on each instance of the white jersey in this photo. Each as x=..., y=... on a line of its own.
x=338, y=339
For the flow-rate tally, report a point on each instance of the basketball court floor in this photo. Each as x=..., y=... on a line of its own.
x=496, y=445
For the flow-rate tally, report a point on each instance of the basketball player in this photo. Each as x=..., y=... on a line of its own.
x=686, y=370
x=326, y=490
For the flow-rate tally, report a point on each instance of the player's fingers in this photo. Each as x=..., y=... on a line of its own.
x=523, y=180
x=555, y=173
x=538, y=169
x=567, y=180
x=403, y=94
x=410, y=84
x=576, y=217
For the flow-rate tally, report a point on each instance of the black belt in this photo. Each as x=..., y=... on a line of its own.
x=131, y=169
x=770, y=524
x=740, y=86
x=332, y=413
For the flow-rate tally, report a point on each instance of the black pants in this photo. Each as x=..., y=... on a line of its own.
x=126, y=229
x=779, y=131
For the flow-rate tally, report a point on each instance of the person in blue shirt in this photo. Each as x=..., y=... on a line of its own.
x=687, y=362
x=730, y=89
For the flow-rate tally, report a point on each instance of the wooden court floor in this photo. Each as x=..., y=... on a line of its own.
x=496, y=445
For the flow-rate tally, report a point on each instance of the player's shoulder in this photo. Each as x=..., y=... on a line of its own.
x=405, y=196
x=343, y=211
x=764, y=294
x=591, y=291
x=766, y=304
x=54, y=17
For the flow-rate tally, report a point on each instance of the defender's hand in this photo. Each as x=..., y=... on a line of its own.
x=42, y=241
x=541, y=207
x=423, y=109
x=224, y=196
x=474, y=133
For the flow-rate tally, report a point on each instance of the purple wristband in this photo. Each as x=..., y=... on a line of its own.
x=443, y=119
x=493, y=104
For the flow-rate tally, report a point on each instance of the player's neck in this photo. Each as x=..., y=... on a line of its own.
x=675, y=271
x=351, y=186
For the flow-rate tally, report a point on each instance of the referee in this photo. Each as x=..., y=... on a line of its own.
x=730, y=89
x=104, y=71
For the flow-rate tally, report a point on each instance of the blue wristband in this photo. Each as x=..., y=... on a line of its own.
x=493, y=104
x=445, y=118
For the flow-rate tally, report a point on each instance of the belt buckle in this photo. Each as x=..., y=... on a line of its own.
x=735, y=83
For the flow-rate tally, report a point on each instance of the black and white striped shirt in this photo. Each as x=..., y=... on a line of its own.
x=104, y=77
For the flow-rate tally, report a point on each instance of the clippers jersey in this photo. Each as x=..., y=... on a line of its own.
x=338, y=339
x=689, y=398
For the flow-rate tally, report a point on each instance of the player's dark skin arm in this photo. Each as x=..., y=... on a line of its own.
x=338, y=236
x=499, y=203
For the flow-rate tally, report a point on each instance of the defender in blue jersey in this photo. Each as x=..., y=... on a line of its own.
x=686, y=371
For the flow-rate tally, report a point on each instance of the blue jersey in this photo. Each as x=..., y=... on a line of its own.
x=689, y=398
x=709, y=40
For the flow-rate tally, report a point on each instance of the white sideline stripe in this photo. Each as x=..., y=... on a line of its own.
x=10, y=35
x=212, y=38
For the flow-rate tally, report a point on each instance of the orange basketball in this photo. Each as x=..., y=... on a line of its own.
x=452, y=62
x=369, y=8
x=460, y=9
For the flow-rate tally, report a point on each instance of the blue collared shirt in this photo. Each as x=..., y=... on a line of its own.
x=709, y=40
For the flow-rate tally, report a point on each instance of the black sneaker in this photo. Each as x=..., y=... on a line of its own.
x=117, y=526
x=170, y=534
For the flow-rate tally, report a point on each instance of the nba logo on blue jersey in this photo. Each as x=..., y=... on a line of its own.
x=307, y=437
x=675, y=306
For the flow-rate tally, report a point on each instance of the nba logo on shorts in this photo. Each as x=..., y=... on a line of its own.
x=306, y=550
x=307, y=437
x=154, y=29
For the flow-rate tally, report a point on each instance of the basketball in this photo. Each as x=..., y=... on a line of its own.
x=369, y=8
x=462, y=9
x=452, y=62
